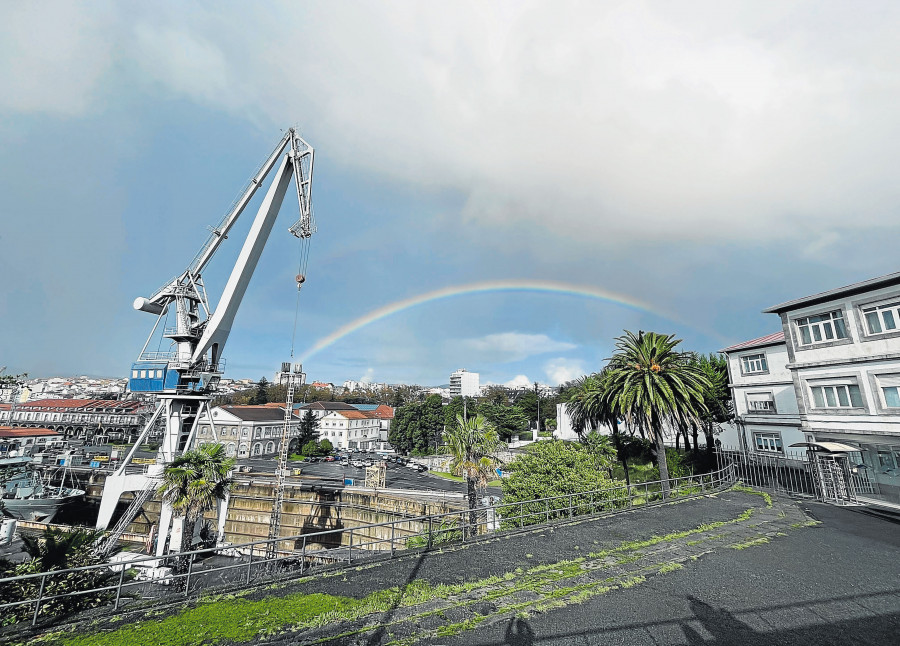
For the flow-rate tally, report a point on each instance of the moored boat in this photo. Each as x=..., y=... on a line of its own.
x=26, y=495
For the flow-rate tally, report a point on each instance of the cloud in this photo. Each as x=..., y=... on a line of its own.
x=562, y=370
x=505, y=347
x=368, y=376
x=597, y=122
x=519, y=381
x=54, y=56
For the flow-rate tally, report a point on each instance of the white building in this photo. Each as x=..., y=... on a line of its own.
x=843, y=350
x=247, y=431
x=767, y=418
x=351, y=429
x=464, y=384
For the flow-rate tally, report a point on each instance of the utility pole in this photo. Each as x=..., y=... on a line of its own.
x=538, y=394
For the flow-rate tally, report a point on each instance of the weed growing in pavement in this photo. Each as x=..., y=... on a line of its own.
x=761, y=494
x=755, y=541
x=670, y=567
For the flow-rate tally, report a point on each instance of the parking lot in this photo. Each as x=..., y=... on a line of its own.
x=397, y=477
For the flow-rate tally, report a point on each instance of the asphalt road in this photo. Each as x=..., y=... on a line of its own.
x=837, y=583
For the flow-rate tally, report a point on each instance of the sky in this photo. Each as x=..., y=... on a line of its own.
x=499, y=186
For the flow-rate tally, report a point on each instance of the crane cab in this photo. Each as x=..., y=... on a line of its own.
x=152, y=377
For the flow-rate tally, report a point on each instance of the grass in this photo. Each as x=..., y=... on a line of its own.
x=762, y=494
x=450, y=476
x=762, y=540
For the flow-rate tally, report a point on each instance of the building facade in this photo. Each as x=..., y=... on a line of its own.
x=247, y=431
x=79, y=418
x=767, y=418
x=464, y=384
x=351, y=429
x=843, y=350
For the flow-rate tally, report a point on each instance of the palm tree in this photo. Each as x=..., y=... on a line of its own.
x=719, y=407
x=589, y=406
x=473, y=445
x=651, y=385
x=193, y=483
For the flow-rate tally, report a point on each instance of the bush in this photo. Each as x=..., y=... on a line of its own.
x=556, y=468
x=57, y=550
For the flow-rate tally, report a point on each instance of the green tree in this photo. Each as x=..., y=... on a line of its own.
x=309, y=425
x=432, y=424
x=556, y=469
x=193, y=483
x=652, y=385
x=310, y=449
x=473, y=446
x=459, y=406
x=718, y=407
x=508, y=420
x=589, y=406
x=528, y=404
x=261, y=396
x=326, y=447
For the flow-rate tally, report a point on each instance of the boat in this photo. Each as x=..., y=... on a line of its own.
x=27, y=496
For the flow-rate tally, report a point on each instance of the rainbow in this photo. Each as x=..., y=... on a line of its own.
x=547, y=286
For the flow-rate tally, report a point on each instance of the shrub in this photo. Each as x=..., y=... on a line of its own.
x=556, y=468
x=56, y=550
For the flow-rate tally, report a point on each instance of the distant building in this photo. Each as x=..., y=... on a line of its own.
x=464, y=384
x=321, y=409
x=351, y=429
x=28, y=440
x=79, y=418
x=247, y=431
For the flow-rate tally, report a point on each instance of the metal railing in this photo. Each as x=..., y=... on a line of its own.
x=150, y=577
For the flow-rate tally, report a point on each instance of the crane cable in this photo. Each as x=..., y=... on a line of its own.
x=303, y=252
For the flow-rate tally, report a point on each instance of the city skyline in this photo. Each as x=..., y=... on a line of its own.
x=507, y=194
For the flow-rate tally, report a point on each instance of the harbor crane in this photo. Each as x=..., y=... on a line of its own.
x=185, y=376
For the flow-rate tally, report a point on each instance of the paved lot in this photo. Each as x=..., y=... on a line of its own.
x=397, y=477
x=771, y=579
x=836, y=583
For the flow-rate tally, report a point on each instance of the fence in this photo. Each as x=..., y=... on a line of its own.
x=830, y=477
x=246, y=563
x=791, y=472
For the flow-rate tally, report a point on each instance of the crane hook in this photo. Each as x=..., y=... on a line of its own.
x=300, y=280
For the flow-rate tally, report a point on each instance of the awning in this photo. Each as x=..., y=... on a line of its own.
x=827, y=447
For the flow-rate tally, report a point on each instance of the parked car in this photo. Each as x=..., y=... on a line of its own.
x=369, y=462
x=357, y=463
x=329, y=458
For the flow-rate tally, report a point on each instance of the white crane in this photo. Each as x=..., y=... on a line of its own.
x=185, y=376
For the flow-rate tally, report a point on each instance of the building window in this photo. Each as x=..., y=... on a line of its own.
x=753, y=363
x=760, y=403
x=822, y=328
x=767, y=442
x=882, y=318
x=837, y=396
x=891, y=396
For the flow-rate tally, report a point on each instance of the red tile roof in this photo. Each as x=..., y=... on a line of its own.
x=39, y=404
x=7, y=431
x=355, y=414
x=770, y=339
